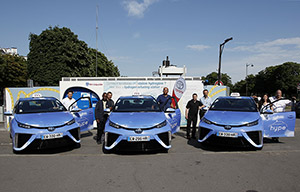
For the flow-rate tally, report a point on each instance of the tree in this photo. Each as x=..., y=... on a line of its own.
x=13, y=71
x=213, y=77
x=57, y=53
x=285, y=77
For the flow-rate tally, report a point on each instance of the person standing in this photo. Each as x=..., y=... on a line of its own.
x=100, y=117
x=205, y=103
x=110, y=103
x=69, y=100
x=279, y=106
x=265, y=103
x=191, y=114
x=163, y=99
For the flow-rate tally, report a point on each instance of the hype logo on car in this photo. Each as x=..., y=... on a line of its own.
x=278, y=126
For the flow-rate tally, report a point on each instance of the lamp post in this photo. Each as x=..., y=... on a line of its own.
x=247, y=65
x=220, y=55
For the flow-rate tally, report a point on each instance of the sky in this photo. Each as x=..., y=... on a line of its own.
x=138, y=34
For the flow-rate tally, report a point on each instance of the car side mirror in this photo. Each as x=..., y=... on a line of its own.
x=75, y=110
x=107, y=110
x=8, y=113
x=268, y=111
x=170, y=110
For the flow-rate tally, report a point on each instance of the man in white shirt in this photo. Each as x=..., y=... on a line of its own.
x=205, y=103
x=279, y=106
x=69, y=100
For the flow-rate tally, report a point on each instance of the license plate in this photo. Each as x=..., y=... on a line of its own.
x=52, y=136
x=138, y=138
x=227, y=134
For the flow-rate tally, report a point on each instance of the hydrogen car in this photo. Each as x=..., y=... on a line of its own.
x=43, y=122
x=236, y=121
x=137, y=123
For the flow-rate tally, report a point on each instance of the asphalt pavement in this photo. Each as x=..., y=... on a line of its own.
x=187, y=167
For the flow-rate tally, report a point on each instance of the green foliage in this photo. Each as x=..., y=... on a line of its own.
x=285, y=77
x=213, y=77
x=57, y=53
x=13, y=71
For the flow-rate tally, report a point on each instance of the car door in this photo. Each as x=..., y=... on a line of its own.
x=281, y=124
x=83, y=113
x=173, y=114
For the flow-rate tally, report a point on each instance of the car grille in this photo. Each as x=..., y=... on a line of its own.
x=165, y=138
x=139, y=146
x=203, y=132
x=75, y=133
x=255, y=136
x=22, y=139
x=51, y=143
x=111, y=138
x=223, y=141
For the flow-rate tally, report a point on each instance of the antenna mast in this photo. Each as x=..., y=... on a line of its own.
x=97, y=10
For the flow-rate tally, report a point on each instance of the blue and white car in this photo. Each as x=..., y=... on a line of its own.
x=43, y=122
x=236, y=121
x=138, y=123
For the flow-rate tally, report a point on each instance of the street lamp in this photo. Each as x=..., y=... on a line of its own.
x=247, y=65
x=220, y=55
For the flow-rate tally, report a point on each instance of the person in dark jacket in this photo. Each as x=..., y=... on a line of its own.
x=100, y=117
x=110, y=103
x=191, y=115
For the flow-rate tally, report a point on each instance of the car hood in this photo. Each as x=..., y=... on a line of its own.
x=44, y=119
x=137, y=119
x=231, y=117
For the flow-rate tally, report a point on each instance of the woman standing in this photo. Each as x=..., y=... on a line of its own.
x=264, y=103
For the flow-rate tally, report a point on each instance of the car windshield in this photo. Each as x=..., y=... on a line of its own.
x=136, y=105
x=234, y=104
x=39, y=106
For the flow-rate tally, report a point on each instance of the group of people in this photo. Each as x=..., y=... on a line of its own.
x=193, y=108
x=105, y=103
x=266, y=102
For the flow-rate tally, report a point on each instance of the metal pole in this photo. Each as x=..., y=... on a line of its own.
x=219, y=70
x=247, y=79
x=220, y=55
x=97, y=9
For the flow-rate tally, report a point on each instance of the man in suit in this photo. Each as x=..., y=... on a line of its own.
x=100, y=117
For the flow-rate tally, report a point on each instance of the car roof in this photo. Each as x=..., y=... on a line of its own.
x=136, y=96
x=37, y=98
x=231, y=97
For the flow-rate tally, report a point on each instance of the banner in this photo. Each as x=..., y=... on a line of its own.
x=179, y=89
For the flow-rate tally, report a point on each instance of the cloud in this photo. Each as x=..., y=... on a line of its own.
x=136, y=35
x=198, y=47
x=137, y=9
x=262, y=55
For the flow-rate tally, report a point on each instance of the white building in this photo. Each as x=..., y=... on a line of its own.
x=10, y=51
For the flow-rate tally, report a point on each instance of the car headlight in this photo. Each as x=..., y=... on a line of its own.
x=24, y=126
x=114, y=125
x=164, y=123
x=206, y=121
x=252, y=123
x=71, y=122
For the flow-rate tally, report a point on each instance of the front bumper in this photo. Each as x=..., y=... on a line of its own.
x=32, y=138
x=247, y=136
x=160, y=138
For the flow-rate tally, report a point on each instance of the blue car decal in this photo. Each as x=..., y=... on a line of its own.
x=173, y=117
x=279, y=124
